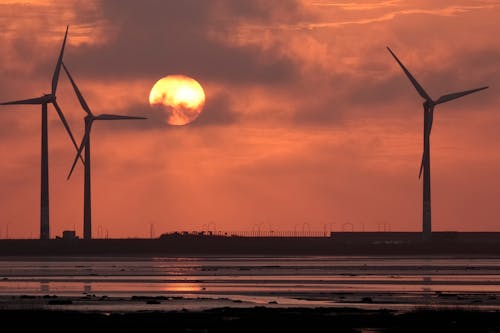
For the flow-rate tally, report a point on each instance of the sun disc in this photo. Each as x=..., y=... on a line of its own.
x=181, y=98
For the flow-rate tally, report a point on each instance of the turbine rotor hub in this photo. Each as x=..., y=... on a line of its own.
x=48, y=98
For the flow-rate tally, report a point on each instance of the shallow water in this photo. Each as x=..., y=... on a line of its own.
x=370, y=282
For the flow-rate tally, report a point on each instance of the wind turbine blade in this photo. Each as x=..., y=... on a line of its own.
x=421, y=167
x=55, y=77
x=116, y=117
x=66, y=125
x=415, y=83
x=38, y=100
x=79, y=151
x=450, y=97
x=83, y=103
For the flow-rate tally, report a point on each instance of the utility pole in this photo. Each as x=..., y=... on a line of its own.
x=151, y=230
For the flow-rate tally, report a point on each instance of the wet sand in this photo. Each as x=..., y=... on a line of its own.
x=239, y=294
x=397, y=283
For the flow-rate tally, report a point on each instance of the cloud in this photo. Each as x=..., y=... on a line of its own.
x=446, y=11
x=357, y=6
x=165, y=37
x=217, y=111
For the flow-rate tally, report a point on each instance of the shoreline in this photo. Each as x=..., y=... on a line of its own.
x=468, y=244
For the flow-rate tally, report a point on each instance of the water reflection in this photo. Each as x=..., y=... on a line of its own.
x=44, y=287
x=412, y=280
x=427, y=280
x=87, y=288
x=182, y=287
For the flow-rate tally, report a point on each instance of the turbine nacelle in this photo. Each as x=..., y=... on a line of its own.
x=49, y=98
x=427, y=104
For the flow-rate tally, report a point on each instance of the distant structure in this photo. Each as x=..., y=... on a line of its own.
x=43, y=101
x=89, y=120
x=68, y=235
x=425, y=165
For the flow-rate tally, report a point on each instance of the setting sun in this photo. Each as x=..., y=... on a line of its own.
x=181, y=97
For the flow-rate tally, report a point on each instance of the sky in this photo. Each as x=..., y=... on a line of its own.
x=309, y=123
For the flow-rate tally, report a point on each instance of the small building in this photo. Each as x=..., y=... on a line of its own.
x=69, y=234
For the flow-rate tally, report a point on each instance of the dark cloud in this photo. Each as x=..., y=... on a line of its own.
x=260, y=10
x=154, y=38
x=217, y=111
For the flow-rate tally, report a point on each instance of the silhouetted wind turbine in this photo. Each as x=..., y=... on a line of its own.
x=44, y=100
x=89, y=119
x=425, y=165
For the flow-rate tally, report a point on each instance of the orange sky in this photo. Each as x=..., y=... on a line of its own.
x=308, y=119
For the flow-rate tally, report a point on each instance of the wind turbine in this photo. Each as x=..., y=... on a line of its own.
x=43, y=101
x=425, y=165
x=89, y=120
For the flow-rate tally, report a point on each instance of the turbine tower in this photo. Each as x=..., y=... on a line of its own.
x=89, y=120
x=425, y=165
x=43, y=101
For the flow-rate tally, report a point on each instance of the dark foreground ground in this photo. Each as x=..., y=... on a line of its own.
x=257, y=319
